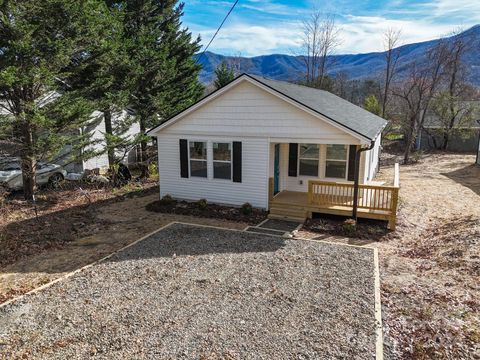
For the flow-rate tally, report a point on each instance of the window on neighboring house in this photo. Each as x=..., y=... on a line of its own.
x=222, y=160
x=308, y=159
x=198, y=159
x=336, y=163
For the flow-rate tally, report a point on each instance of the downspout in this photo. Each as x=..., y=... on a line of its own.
x=356, y=180
x=477, y=160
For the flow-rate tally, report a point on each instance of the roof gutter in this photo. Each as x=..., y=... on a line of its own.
x=356, y=178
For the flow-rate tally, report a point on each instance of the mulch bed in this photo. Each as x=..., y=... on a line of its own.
x=366, y=229
x=209, y=211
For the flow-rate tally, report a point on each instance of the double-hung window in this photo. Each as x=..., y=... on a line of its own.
x=336, y=164
x=198, y=159
x=222, y=160
x=308, y=159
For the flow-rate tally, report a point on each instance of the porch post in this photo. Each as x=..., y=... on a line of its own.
x=356, y=179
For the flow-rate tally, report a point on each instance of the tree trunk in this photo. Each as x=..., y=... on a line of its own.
x=28, y=163
x=107, y=115
x=408, y=149
x=411, y=137
x=446, y=138
x=385, y=92
x=143, y=151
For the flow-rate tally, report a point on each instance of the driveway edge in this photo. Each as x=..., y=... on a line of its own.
x=67, y=275
x=378, y=308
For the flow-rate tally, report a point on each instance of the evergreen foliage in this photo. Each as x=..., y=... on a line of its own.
x=39, y=39
x=223, y=75
x=164, y=73
x=372, y=105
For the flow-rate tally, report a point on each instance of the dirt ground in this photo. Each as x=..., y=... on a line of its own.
x=72, y=237
x=430, y=266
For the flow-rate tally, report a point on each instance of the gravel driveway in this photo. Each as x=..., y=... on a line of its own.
x=192, y=292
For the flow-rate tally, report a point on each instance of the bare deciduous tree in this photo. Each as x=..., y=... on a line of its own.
x=341, y=84
x=392, y=54
x=450, y=105
x=418, y=91
x=320, y=39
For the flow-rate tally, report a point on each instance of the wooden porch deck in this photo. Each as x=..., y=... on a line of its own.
x=374, y=201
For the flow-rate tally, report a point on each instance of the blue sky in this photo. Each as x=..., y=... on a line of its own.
x=258, y=27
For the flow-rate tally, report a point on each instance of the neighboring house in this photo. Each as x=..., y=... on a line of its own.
x=463, y=136
x=272, y=144
x=97, y=134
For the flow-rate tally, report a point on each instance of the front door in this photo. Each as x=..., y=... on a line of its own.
x=276, y=169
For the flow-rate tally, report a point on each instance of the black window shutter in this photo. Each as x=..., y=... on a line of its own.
x=292, y=159
x=351, y=162
x=237, y=161
x=183, y=158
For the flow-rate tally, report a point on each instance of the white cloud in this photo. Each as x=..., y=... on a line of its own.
x=449, y=8
x=365, y=34
x=252, y=40
x=360, y=34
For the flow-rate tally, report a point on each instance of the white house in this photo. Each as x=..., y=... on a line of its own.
x=257, y=140
x=96, y=131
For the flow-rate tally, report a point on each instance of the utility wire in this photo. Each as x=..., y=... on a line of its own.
x=216, y=32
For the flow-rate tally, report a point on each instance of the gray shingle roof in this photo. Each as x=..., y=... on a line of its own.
x=329, y=105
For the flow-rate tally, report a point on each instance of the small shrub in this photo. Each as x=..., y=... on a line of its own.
x=247, y=209
x=167, y=200
x=417, y=156
x=349, y=226
x=42, y=198
x=153, y=169
x=4, y=192
x=202, y=204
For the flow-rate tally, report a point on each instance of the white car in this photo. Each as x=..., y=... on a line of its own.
x=11, y=174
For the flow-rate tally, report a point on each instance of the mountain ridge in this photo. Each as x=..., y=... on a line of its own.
x=355, y=66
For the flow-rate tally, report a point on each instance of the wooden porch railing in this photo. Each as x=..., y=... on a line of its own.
x=325, y=194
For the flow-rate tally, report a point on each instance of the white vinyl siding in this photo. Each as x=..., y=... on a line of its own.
x=249, y=111
x=252, y=189
x=372, y=161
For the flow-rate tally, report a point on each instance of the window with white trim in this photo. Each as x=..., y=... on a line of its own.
x=308, y=159
x=222, y=160
x=336, y=162
x=198, y=158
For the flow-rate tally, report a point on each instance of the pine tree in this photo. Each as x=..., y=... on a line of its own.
x=38, y=41
x=164, y=77
x=103, y=78
x=223, y=75
x=372, y=105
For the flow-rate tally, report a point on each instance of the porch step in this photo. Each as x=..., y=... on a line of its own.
x=287, y=218
x=294, y=211
x=288, y=212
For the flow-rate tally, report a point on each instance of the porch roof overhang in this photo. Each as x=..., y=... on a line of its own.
x=322, y=141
